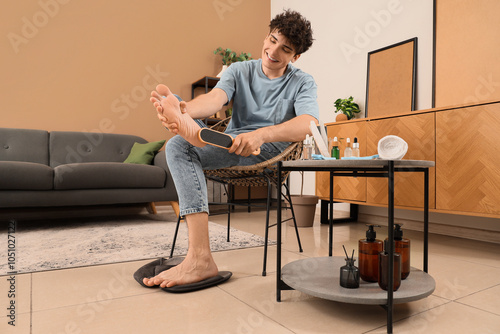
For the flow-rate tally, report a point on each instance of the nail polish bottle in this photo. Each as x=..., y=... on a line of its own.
x=335, y=149
x=383, y=278
x=348, y=149
x=355, y=148
x=402, y=246
x=368, y=251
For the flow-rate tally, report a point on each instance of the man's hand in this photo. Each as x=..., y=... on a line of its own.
x=246, y=143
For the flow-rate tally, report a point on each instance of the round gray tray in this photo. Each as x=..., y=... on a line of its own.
x=319, y=277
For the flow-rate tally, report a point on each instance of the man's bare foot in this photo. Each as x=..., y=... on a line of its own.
x=169, y=106
x=188, y=271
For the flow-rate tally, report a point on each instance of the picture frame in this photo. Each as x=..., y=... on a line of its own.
x=391, y=79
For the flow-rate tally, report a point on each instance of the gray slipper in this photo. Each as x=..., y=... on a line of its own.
x=207, y=283
x=154, y=268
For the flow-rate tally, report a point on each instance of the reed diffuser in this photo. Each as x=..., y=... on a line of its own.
x=349, y=274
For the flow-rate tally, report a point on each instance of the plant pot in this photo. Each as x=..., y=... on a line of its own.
x=304, y=208
x=224, y=67
x=341, y=117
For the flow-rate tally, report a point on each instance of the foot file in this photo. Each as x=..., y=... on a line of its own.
x=218, y=139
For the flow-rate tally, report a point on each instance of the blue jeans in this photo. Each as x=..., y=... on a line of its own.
x=187, y=162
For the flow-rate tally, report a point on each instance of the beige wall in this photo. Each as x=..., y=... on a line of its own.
x=90, y=65
x=338, y=58
x=338, y=62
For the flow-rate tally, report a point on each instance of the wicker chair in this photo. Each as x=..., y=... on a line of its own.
x=258, y=175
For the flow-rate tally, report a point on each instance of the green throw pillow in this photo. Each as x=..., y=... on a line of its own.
x=144, y=153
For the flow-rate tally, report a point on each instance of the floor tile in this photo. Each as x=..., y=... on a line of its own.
x=458, y=278
x=249, y=262
x=304, y=314
x=21, y=324
x=448, y=318
x=106, y=299
x=60, y=288
x=486, y=300
x=16, y=289
x=469, y=250
x=207, y=311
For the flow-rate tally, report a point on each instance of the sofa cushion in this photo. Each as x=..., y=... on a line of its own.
x=68, y=147
x=144, y=153
x=24, y=145
x=19, y=175
x=108, y=175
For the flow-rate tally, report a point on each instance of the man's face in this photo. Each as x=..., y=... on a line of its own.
x=277, y=52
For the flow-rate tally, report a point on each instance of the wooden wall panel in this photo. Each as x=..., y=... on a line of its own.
x=468, y=159
x=418, y=132
x=467, y=52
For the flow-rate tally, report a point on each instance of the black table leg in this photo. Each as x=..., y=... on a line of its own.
x=426, y=219
x=390, y=285
x=278, y=246
x=324, y=219
x=330, y=221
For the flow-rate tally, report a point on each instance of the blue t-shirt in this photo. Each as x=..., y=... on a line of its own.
x=260, y=101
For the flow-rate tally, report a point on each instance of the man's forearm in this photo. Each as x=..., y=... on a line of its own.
x=293, y=130
x=206, y=105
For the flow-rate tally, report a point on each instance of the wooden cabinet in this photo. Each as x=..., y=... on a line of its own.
x=468, y=159
x=345, y=188
x=464, y=142
x=418, y=132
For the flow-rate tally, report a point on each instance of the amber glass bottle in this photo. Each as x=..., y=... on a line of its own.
x=368, y=250
x=383, y=277
x=402, y=246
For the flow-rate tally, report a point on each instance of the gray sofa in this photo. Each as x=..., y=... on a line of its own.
x=58, y=169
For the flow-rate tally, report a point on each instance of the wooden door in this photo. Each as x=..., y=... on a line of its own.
x=468, y=159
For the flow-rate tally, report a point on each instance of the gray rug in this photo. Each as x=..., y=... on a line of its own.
x=49, y=245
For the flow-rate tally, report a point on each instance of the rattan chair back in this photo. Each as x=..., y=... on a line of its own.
x=254, y=175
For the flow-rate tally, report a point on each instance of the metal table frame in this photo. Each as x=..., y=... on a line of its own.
x=360, y=168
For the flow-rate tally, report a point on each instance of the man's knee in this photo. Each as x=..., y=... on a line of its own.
x=175, y=144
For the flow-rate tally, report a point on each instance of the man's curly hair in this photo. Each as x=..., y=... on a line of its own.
x=295, y=28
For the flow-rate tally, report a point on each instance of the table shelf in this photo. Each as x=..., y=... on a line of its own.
x=319, y=277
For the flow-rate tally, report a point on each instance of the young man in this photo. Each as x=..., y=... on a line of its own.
x=273, y=105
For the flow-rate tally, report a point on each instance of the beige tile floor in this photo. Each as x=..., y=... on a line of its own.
x=105, y=299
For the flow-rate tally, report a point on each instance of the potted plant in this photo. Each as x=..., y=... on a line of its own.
x=347, y=109
x=229, y=57
x=304, y=207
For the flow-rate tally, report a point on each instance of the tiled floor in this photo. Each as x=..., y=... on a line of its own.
x=106, y=299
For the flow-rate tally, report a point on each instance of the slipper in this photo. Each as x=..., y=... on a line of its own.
x=207, y=283
x=154, y=268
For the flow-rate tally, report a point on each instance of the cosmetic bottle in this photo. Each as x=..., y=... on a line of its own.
x=349, y=275
x=308, y=148
x=383, y=278
x=348, y=149
x=335, y=149
x=355, y=148
x=402, y=246
x=368, y=254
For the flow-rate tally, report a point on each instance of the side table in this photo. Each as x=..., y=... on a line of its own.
x=287, y=278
